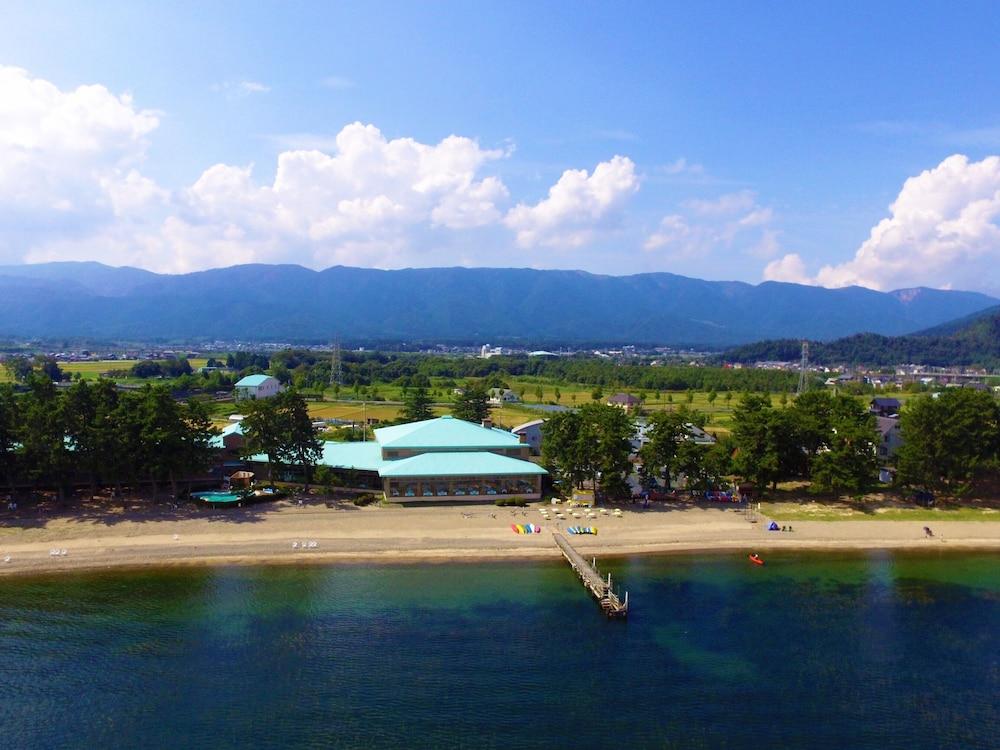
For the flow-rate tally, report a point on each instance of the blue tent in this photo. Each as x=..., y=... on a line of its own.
x=773, y=526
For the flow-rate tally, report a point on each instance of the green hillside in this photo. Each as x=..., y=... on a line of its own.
x=974, y=340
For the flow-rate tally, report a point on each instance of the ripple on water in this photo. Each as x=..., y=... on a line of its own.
x=812, y=651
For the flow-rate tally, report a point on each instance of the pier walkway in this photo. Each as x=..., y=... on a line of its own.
x=600, y=589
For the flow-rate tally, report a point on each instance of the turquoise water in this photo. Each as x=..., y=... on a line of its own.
x=216, y=496
x=863, y=651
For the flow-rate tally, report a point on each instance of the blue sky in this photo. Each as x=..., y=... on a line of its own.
x=838, y=145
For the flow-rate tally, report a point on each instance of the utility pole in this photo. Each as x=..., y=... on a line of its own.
x=803, y=369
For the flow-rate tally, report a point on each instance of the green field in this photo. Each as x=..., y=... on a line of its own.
x=93, y=370
x=571, y=395
x=878, y=511
x=349, y=404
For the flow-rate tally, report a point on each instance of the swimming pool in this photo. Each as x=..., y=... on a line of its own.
x=217, y=496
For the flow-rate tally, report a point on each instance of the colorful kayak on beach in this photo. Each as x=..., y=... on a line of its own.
x=527, y=528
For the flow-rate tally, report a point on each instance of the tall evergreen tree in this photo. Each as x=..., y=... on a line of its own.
x=592, y=444
x=300, y=446
x=79, y=409
x=198, y=433
x=262, y=432
x=473, y=405
x=768, y=445
x=165, y=437
x=46, y=454
x=949, y=441
x=613, y=430
x=562, y=452
x=849, y=463
x=667, y=429
x=112, y=450
x=124, y=435
x=416, y=405
x=10, y=426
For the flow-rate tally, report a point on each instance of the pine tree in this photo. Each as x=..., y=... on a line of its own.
x=300, y=446
x=473, y=405
x=416, y=405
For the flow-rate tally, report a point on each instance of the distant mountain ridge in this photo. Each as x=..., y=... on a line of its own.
x=292, y=303
x=970, y=340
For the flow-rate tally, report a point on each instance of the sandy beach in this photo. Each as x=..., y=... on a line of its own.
x=102, y=537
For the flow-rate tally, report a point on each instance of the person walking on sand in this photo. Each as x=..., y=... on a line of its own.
x=928, y=532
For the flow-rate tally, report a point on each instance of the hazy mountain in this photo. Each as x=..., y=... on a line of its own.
x=970, y=340
x=291, y=303
x=95, y=277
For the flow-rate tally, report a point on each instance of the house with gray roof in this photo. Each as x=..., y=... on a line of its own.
x=530, y=433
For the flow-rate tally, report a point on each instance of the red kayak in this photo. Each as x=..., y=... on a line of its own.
x=755, y=559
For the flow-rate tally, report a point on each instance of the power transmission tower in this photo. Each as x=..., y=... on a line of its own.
x=803, y=369
x=336, y=365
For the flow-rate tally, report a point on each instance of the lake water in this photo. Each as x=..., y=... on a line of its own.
x=812, y=651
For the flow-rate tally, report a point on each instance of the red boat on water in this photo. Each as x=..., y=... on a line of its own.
x=756, y=559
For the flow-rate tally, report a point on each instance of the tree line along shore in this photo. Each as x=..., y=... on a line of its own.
x=91, y=434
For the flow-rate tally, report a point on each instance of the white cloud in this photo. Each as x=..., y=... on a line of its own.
x=67, y=158
x=253, y=87
x=789, y=268
x=942, y=231
x=337, y=83
x=241, y=89
x=682, y=166
x=72, y=188
x=363, y=203
x=616, y=134
x=724, y=205
x=733, y=220
x=578, y=206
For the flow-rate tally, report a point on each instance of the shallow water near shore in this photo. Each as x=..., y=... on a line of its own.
x=819, y=650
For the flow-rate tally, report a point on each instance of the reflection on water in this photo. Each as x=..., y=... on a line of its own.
x=868, y=650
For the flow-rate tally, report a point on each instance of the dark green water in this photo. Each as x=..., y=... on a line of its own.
x=864, y=651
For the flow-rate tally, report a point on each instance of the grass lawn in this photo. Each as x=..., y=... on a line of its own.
x=878, y=511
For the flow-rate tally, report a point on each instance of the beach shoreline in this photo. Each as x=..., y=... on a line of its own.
x=327, y=533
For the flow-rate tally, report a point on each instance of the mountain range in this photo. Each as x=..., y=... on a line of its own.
x=460, y=305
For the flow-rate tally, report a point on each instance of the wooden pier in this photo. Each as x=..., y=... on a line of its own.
x=611, y=603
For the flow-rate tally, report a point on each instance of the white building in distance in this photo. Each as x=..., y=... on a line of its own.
x=257, y=386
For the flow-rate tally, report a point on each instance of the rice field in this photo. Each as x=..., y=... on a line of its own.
x=93, y=370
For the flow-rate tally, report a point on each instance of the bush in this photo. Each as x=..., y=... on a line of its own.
x=363, y=500
x=517, y=502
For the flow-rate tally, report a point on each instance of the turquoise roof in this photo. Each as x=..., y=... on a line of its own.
x=361, y=456
x=459, y=465
x=236, y=428
x=444, y=432
x=252, y=380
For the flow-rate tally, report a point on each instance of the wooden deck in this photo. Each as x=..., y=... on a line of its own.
x=600, y=589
